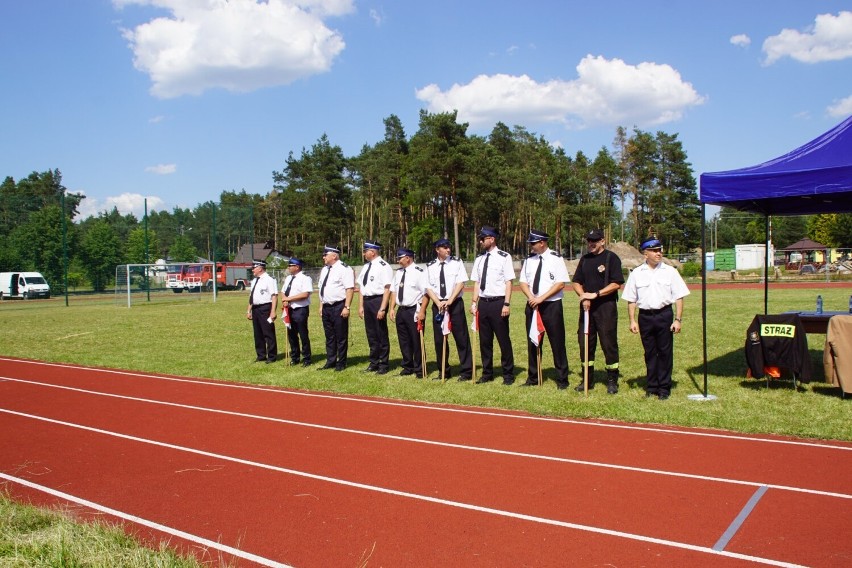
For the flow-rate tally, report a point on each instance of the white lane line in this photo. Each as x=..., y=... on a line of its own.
x=740, y=519
x=145, y=522
x=445, y=444
x=415, y=496
x=437, y=408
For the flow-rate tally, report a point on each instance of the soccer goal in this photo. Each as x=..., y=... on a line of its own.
x=164, y=282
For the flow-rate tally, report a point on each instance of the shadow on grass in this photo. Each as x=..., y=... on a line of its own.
x=733, y=365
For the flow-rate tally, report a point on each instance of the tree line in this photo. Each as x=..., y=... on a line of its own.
x=401, y=190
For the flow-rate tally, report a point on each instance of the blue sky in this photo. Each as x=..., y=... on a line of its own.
x=178, y=100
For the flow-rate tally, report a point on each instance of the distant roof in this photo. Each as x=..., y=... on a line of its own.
x=251, y=251
x=805, y=244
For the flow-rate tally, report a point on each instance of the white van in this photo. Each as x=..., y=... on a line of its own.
x=23, y=285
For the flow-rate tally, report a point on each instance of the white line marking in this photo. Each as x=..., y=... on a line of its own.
x=145, y=522
x=445, y=444
x=415, y=496
x=345, y=398
x=740, y=519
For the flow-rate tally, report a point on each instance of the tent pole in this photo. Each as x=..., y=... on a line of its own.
x=705, y=396
x=766, y=271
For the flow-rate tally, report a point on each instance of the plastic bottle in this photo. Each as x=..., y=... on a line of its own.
x=819, y=304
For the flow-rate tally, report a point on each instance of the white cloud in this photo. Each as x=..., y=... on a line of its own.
x=606, y=92
x=156, y=119
x=841, y=108
x=829, y=39
x=741, y=40
x=238, y=45
x=125, y=203
x=162, y=169
x=377, y=16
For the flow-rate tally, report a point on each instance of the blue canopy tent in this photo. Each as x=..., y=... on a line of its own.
x=814, y=178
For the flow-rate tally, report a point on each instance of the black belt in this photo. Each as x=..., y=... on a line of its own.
x=657, y=311
x=492, y=299
x=253, y=306
x=333, y=304
x=373, y=296
x=407, y=307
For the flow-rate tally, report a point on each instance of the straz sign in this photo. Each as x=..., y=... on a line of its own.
x=777, y=330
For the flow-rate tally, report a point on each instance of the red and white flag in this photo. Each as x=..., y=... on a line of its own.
x=474, y=325
x=285, y=316
x=536, y=328
x=446, y=325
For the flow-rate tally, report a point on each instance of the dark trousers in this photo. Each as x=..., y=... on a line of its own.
x=336, y=329
x=603, y=324
x=377, y=333
x=554, y=327
x=491, y=323
x=299, y=331
x=409, y=340
x=265, y=342
x=460, y=336
x=657, y=339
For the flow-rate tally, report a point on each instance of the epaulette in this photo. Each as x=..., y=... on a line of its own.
x=401, y=268
x=418, y=268
x=556, y=254
x=483, y=253
x=502, y=253
x=453, y=258
x=432, y=262
x=344, y=264
x=383, y=263
x=532, y=254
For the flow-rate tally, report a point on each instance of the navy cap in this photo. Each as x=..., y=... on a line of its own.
x=295, y=262
x=595, y=235
x=442, y=243
x=404, y=252
x=487, y=231
x=372, y=245
x=256, y=263
x=651, y=243
x=330, y=248
x=536, y=236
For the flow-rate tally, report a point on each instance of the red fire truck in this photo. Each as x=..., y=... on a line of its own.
x=194, y=277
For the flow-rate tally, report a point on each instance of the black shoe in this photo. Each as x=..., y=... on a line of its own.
x=324, y=367
x=463, y=379
x=649, y=394
x=561, y=386
x=296, y=362
x=581, y=387
x=405, y=373
x=371, y=369
x=663, y=396
x=612, y=388
x=509, y=382
x=339, y=368
x=306, y=363
x=529, y=384
x=484, y=380
x=270, y=361
x=382, y=372
x=259, y=360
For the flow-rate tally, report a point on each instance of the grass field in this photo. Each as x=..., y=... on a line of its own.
x=200, y=338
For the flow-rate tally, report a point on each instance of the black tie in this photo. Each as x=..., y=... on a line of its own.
x=443, y=283
x=322, y=288
x=366, y=273
x=537, y=278
x=484, y=272
x=289, y=285
x=401, y=287
x=253, y=286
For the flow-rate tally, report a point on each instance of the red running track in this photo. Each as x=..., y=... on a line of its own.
x=266, y=476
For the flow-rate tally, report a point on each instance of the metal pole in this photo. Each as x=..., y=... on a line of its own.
x=64, y=247
x=147, y=257
x=213, y=254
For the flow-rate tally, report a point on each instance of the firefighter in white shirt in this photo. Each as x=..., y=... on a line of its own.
x=493, y=275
